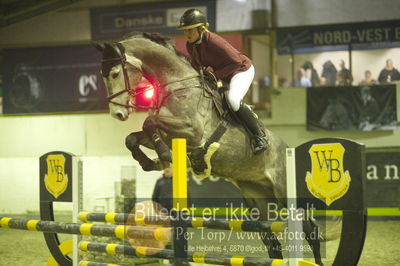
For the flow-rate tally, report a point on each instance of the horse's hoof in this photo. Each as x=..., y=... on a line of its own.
x=165, y=156
x=147, y=168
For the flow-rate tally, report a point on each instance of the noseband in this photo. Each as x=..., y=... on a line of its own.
x=132, y=93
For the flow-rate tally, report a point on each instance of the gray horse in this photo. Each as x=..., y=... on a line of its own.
x=183, y=109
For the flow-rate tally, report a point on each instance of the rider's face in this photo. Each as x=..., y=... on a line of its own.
x=192, y=35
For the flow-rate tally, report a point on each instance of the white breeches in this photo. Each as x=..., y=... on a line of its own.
x=238, y=87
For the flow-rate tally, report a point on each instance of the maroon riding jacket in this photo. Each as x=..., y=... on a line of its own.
x=217, y=53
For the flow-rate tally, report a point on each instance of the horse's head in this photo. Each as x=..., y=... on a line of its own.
x=121, y=74
x=125, y=63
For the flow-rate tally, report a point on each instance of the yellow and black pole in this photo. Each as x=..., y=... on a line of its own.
x=179, y=185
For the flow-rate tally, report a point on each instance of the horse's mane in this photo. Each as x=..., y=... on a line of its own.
x=156, y=38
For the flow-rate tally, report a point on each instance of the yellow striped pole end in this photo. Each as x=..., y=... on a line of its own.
x=121, y=231
x=141, y=251
x=198, y=257
x=110, y=217
x=84, y=263
x=83, y=245
x=277, y=262
x=277, y=227
x=86, y=229
x=236, y=225
x=4, y=222
x=111, y=264
x=140, y=219
x=237, y=260
x=306, y=263
x=197, y=222
x=110, y=248
x=31, y=225
x=162, y=234
x=83, y=216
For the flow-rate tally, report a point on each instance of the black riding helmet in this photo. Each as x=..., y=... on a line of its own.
x=192, y=18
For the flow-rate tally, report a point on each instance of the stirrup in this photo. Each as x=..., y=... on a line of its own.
x=259, y=144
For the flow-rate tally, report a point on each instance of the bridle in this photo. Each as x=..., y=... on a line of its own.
x=127, y=89
x=132, y=93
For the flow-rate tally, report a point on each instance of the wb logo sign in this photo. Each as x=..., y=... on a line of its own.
x=87, y=83
x=56, y=181
x=327, y=180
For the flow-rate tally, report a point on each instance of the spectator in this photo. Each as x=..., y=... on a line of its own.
x=311, y=73
x=343, y=74
x=367, y=108
x=301, y=80
x=282, y=82
x=162, y=193
x=389, y=73
x=368, y=80
x=340, y=80
x=329, y=73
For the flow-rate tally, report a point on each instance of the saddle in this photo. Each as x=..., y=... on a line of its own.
x=217, y=90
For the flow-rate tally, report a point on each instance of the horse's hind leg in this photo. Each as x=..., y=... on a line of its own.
x=311, y=231
x=132, y=142
x=258, y=196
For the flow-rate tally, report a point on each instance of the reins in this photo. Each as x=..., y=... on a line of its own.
x=127, y=89
x=159, y=101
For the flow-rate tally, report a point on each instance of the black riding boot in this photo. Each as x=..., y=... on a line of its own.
x=259, y=141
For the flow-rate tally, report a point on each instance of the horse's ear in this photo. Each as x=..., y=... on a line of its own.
x=99, y=46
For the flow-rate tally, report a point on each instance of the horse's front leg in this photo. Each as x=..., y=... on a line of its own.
x=133, y=142
x=161, y=148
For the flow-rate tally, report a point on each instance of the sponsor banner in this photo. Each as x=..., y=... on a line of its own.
x=114, y=22
x=359, y=35
x=383, y=177
x=52, y=79
x=352, y=108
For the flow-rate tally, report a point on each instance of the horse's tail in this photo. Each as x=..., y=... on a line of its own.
x=330, y=229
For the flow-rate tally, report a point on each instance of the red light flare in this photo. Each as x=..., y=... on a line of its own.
x=149, y=92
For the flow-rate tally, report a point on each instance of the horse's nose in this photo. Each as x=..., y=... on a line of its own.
x=120, y=115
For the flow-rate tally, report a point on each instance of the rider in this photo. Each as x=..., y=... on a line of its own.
x=207, y=49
